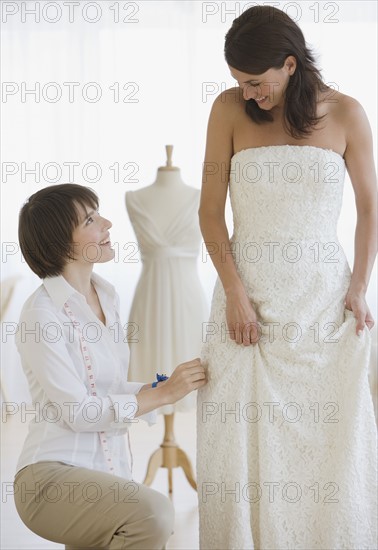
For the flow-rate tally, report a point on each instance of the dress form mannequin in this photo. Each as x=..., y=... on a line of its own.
x=166, y=192
x=169, y=305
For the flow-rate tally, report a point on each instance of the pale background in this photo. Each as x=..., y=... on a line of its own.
x=169, y=56
x=166, y=60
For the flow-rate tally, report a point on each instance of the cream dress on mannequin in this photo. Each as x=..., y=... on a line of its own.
x=169, y=305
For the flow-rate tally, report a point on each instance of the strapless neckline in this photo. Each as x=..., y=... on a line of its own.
x=291, y=146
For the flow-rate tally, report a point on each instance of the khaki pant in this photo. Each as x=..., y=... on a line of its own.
x=83, y=508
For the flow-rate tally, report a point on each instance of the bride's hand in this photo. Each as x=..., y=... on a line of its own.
x=241, y=319
x=356, y=302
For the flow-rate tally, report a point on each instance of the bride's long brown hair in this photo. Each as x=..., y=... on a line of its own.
x=261, y=39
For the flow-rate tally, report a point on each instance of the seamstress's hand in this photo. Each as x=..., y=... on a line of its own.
x=356, y=302
x=241, y=318
x=184, y=379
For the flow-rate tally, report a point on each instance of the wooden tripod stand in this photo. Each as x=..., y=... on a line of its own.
x=170, y=456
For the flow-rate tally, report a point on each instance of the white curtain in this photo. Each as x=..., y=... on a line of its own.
x=116, y=81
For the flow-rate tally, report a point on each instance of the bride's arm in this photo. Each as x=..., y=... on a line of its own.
x=219, y=150
x=360, y=165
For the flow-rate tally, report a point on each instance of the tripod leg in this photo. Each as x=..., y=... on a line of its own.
x=184, y=462
x=155, y=462
x=170, y=484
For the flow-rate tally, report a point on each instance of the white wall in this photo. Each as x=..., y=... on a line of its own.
x=168, y=53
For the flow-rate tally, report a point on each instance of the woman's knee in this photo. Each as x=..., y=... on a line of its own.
x=166, y=518
x=160, y=517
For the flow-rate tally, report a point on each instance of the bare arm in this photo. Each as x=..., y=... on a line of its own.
x=360, y=166
x=215, y=177
x=241, y=317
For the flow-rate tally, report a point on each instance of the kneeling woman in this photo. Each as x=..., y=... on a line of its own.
x=73, y=483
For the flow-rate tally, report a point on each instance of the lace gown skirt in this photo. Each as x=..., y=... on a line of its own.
x=286, y=451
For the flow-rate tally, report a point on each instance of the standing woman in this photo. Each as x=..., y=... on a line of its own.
x=287, y=406
x=73, y=483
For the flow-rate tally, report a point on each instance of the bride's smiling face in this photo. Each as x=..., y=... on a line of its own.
x=266, y=89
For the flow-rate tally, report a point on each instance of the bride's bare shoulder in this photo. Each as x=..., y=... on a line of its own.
x=342, y=107
x=230, y=102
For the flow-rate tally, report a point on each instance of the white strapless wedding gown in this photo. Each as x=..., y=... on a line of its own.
x=286, y=450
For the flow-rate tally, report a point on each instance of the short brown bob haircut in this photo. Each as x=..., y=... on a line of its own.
x=46, y=223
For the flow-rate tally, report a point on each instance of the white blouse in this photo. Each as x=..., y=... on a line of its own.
x=65, y=418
